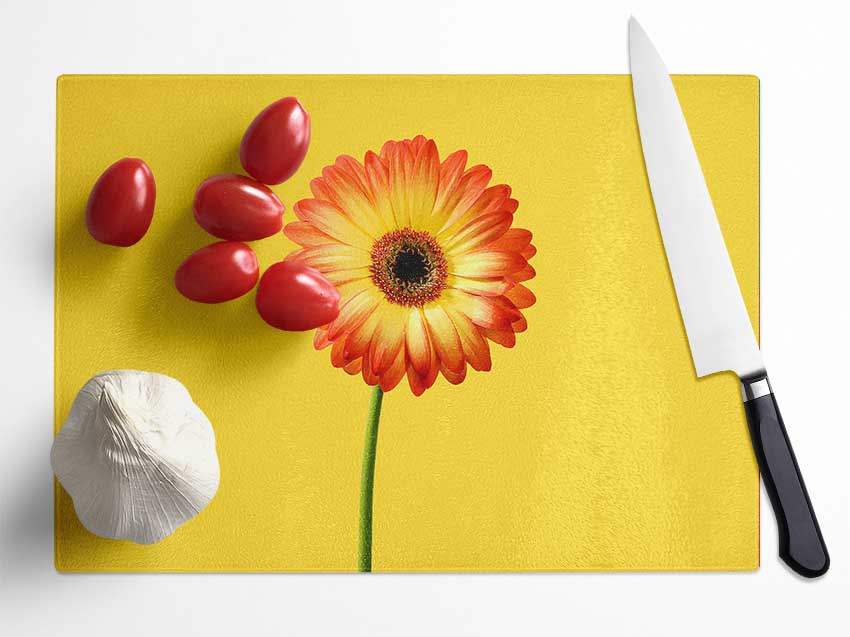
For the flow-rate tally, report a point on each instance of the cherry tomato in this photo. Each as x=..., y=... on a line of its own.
x=120, y=206
x=219, y=272
x=237, y=208
x=295, y=297
x=275, y=143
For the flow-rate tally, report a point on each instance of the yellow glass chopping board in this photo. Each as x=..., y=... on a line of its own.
x=590, y=445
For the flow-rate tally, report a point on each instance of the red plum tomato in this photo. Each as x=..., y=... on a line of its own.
x=219, y=272
x=120, y=206
x=237, y=208
x=275, y=143
x=295, y=297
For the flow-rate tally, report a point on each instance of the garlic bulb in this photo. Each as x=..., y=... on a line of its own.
x=136, y=455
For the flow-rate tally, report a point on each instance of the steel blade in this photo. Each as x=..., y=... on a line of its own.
x=719, y=331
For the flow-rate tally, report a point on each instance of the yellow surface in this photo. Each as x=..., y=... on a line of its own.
x=589, y=446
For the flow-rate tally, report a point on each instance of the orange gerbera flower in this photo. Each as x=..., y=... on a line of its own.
x=425, y=259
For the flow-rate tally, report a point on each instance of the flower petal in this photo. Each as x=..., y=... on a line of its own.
x=306, y=234
x=353, y=312
x=469, y=188
x=392, y=376
x=349, y=289
x=415, y=383
x=487, y=201
x=355, y=173
x=451, y=171
x=331, y=221
x=320, y=339
x=320, y=189
x=366, y=371
x=474, y=345
x=485, y=311
x=354, y=367
x=505, y=338
x=455, y=378
x=481, y=264
x=525, y=274
x=418, y=142
x=481, y=231
x=426, y=178
x=388, y=338
x=514, y=240
x=348, y=187
x=331, y=256
x=377, y=177
x=340, y=277
x=358, y=340
x=418, y=344
x=400, y=162
x=521, y=296
x=485, y=287
x=444, y=338
x=338, y=358
x=420, y=382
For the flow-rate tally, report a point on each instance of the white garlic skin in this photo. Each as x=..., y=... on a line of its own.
x=136, y=455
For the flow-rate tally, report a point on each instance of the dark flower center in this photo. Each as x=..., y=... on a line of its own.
x=409, y=267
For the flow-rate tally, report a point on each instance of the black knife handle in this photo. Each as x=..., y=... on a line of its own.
x=801, y=544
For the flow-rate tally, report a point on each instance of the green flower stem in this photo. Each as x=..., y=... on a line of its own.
x=367, y=480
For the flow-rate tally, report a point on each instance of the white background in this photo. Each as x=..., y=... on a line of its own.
x=799, y=50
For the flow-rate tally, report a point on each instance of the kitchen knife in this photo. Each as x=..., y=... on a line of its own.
x=718, y=328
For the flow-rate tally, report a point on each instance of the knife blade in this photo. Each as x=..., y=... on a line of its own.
x=717, y=326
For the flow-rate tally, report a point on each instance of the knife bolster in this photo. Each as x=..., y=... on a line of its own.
x=756, y=387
